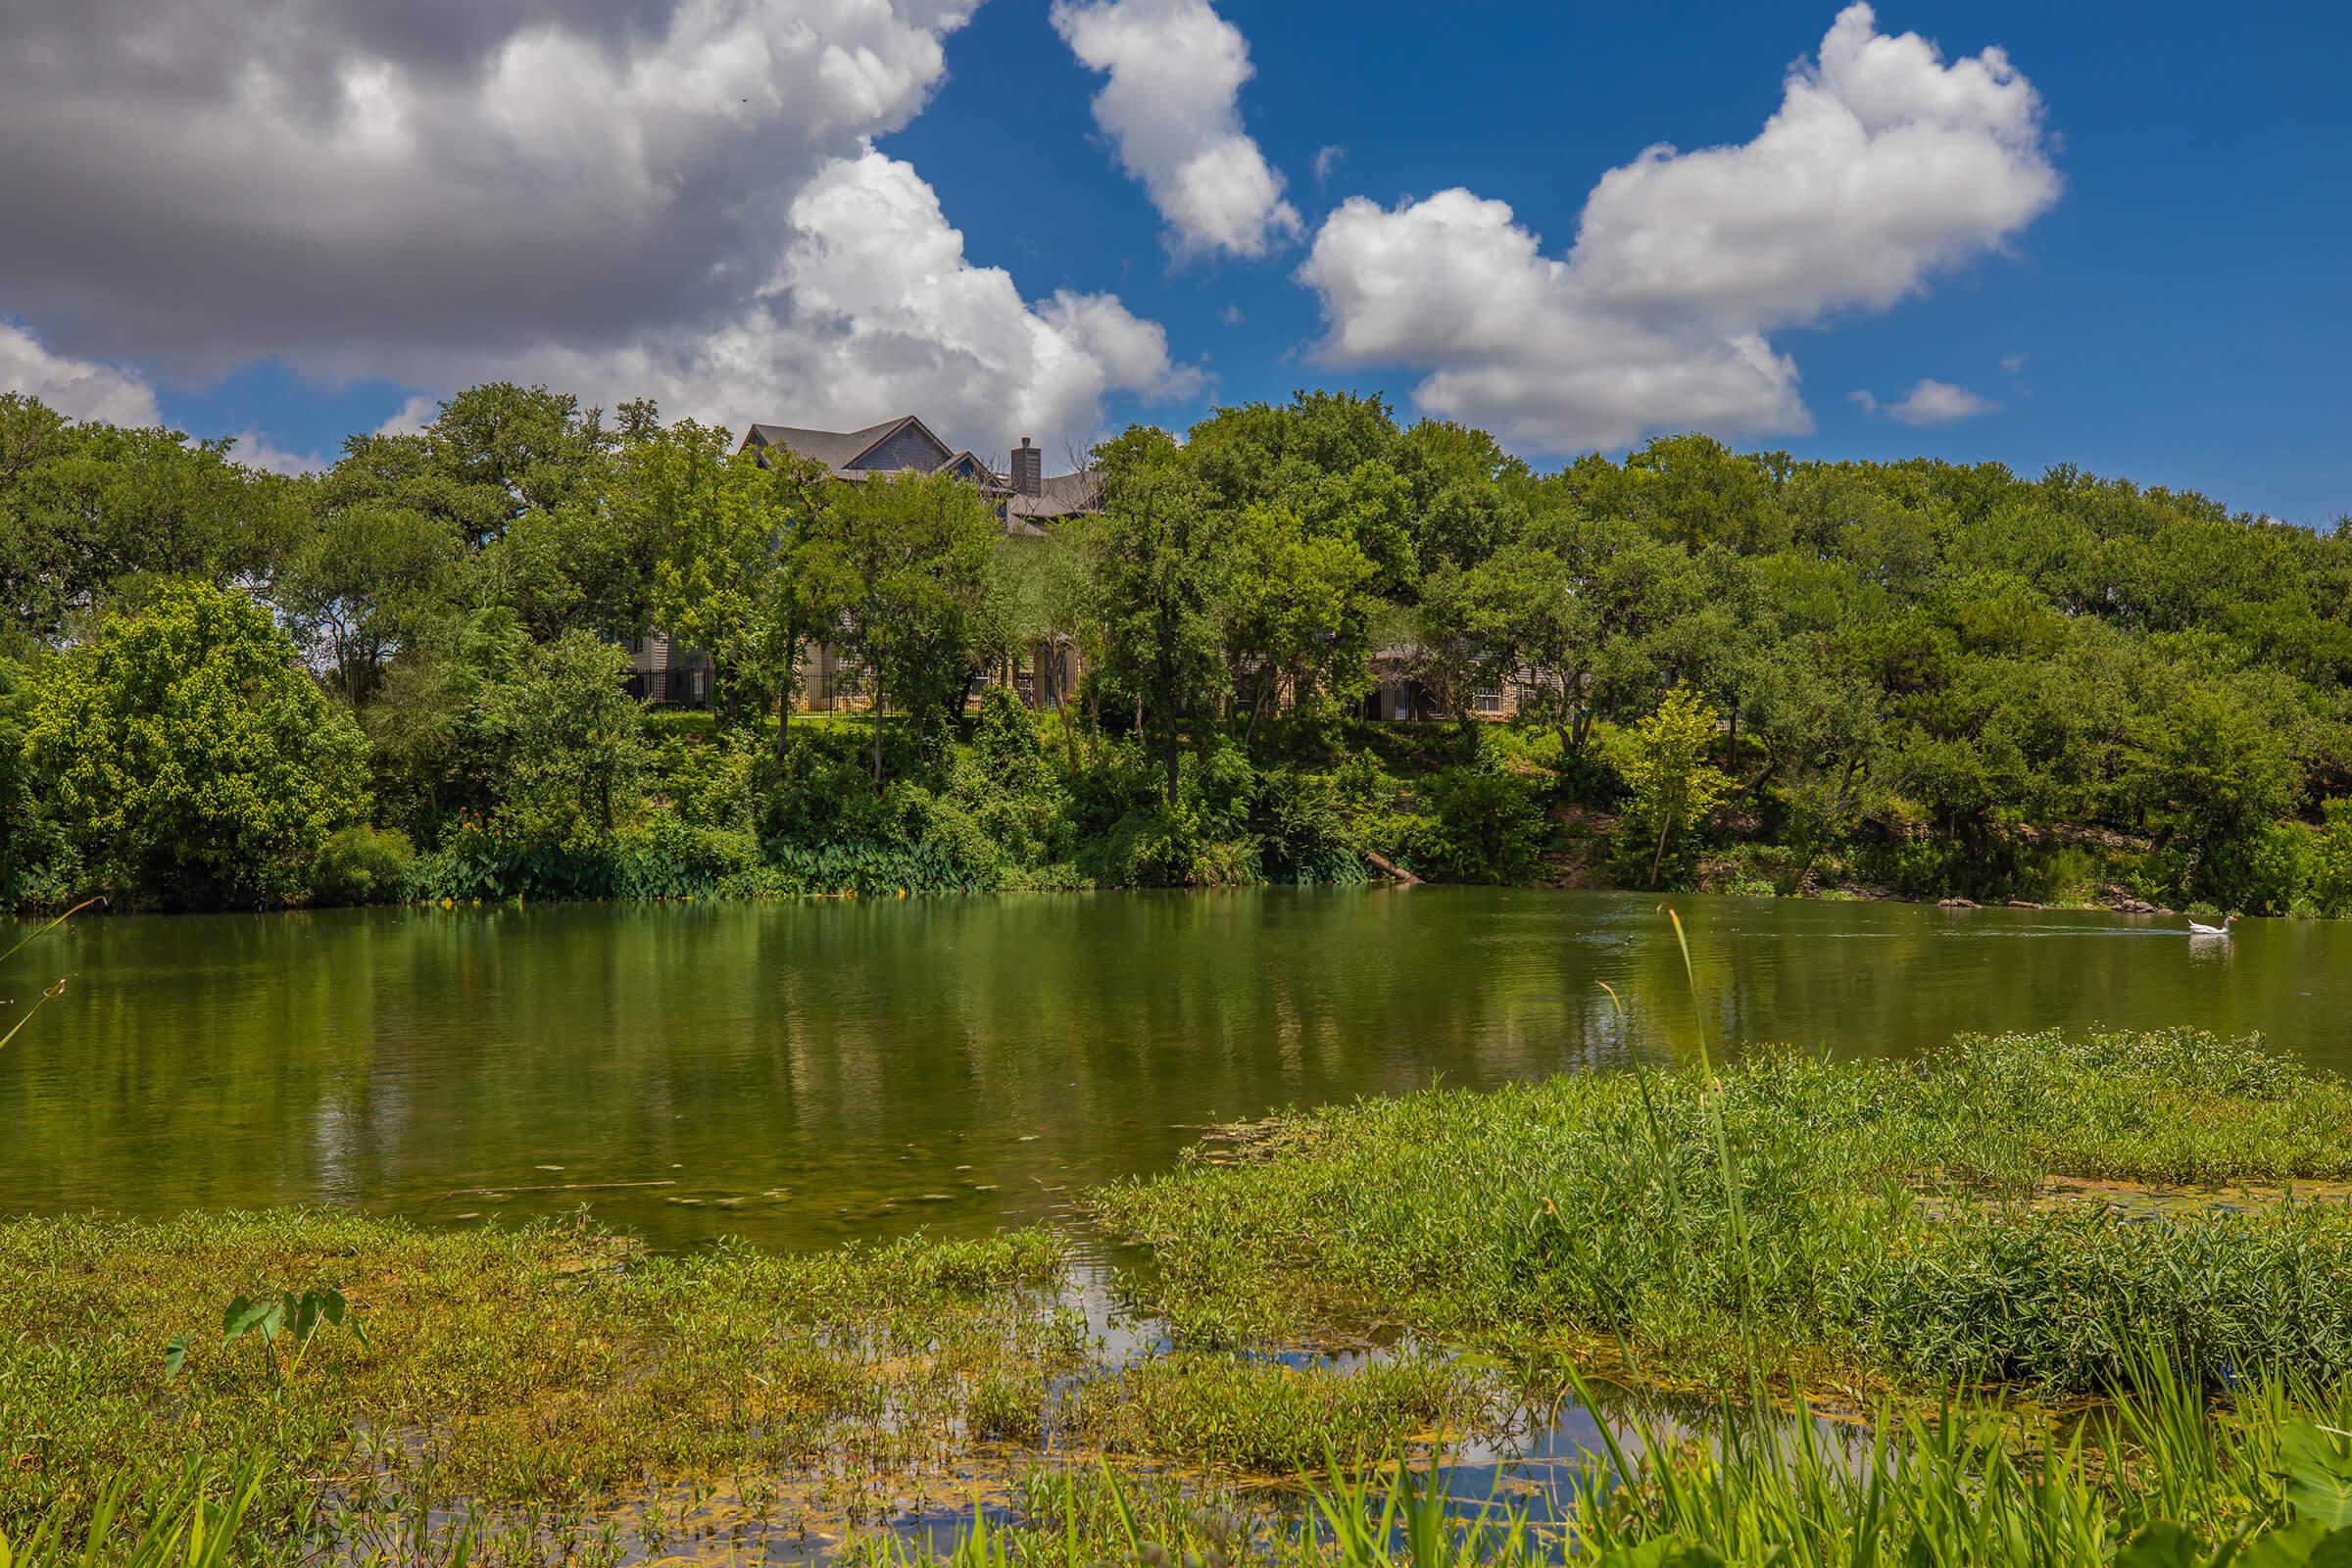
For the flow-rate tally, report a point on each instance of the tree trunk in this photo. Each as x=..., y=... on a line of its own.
x=1061, y=709
x=1845, y=787
x=1257, y=708
x=1172, y=749
x=1660, y=860
x=876, y=716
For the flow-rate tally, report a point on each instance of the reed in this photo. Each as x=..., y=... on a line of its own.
x=51, y=992
x=2154, y=1480
x=1879, y=1223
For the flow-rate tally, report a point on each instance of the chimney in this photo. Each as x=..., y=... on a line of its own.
x=1028, y=469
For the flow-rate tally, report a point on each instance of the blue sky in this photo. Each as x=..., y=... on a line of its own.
x=2171, y=307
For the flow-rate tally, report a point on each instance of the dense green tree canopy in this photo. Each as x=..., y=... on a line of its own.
x=184, y=754
x=1915, y=674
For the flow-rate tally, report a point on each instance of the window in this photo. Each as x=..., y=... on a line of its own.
x=1486, y=699
x=1405, y=703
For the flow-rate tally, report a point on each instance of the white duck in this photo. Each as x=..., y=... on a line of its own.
x=2222, y=930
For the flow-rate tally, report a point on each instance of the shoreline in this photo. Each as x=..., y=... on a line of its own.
x=1499, y=1244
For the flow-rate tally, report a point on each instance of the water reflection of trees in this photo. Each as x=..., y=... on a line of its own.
x=855, y=1055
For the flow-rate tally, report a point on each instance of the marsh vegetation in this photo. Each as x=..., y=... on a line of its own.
x=1877, y=1240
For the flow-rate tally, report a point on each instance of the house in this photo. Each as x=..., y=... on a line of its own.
x=1400, y=694
x=1025, y=496
x=664, y=671
x=1027, y=500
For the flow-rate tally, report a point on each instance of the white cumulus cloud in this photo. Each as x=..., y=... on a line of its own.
x=257, y=450
x=1933, y=401
x=1172, y=105
x=1882, y=166
x=618, y=196
x=874, y=309
x=81, y=389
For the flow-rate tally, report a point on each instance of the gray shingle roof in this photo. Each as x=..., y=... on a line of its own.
x=835, y=449
x=1061, y=495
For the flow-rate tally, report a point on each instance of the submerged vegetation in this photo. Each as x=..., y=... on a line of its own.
x=1983, y=1224
x=403, y=677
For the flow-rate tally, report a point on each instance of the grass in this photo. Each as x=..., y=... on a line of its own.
x=1263, y=1416
x=556, y=1391
x=2168, y=1484
x=2155, y=1480
x=1890, y=1227
x=536, y=1370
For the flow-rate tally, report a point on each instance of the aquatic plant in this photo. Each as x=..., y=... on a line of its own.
x=1840, y=1211
x=55, y=989
x=298, y=1317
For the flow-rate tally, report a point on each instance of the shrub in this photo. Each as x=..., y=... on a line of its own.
x=1483, y=826
x=1670, y=787
x=571, y=741
x=37, y=867
x=2261, y=873
x=1160, y=847
x=1302, y=830
x=186, y=756
x=667, y=855
x=1006, y=804
x=708, y=778
x=2331, y=858
x=822, y=791
x=362, y=864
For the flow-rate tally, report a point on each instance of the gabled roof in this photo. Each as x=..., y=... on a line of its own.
x=835, y=449
x=980, y=467
x=1060, y=495
x=840, y=450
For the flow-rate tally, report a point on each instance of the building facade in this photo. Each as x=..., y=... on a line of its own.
x=1027, y=502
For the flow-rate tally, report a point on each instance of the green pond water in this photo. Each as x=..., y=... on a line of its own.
x=798, y=1074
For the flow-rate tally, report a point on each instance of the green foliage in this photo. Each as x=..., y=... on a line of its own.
x=88, y=512
x=364, y=577
x=2151, y=1480
x=1011, y=793
x=361, y=864
x=1156, y=555
x=726, y=581
x=661, y=855
x=1820, y=1206
x=298, y=1317
x=185, y=757
x=1998, y=1300
x=2331, y=859
x=2212, y=775
x=1930, y=677
x=1484, y=824
x=38, y=869
x=572, y=752
x=898, y=565
x=1304, y=829
x=1670, y=787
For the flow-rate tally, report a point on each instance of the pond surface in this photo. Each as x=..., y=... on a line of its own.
x=798, y=1074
